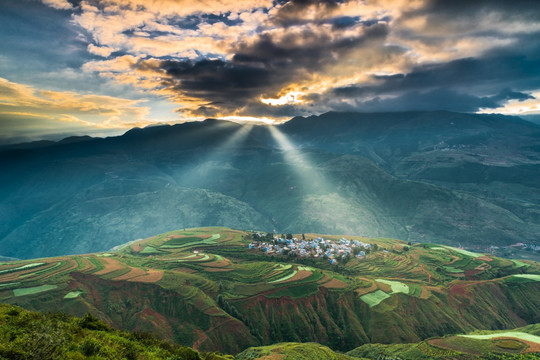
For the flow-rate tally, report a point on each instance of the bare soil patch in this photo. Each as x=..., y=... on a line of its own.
x=110, y=265
x=335, y=284
x=151, y=276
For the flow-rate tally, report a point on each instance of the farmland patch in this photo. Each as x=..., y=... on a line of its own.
x=464, y=252
x=535, y=277
x=287, y=277
x=510, y=334
x=396, y=286
x=33, y=290
x=374, y=298
x=72, y=294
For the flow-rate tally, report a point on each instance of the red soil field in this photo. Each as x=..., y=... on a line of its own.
x=335, y=284
x=14, y=275
x=133, y=272
x=151, y=276
x=87, y=265
x=68, y=267
x=110, y=266
x=211, y=269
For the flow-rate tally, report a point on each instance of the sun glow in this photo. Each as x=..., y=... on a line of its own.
x=292, y=97
x=250, y=119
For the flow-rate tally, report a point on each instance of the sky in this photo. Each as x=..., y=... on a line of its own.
x=72, y=67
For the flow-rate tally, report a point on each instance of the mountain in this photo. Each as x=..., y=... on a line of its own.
x=456, y=179
x=205, y=288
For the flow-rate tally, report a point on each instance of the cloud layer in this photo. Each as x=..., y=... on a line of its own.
x=278, y=59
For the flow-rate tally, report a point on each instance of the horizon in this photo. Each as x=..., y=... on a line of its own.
x=73, y=67
x=58, y=138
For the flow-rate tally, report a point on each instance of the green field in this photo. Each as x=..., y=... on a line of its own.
x=23, y=267
x=464, y=252
x=528, y=276
x=72, y=294
x=510, y=334
x=374, y=298
x=287, y=277
x=33, y=290
x=397, y=287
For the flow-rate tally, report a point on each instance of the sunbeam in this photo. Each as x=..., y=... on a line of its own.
x=204, y=166
x=320, y=200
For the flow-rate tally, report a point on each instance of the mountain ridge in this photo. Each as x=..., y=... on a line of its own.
x=481, y=180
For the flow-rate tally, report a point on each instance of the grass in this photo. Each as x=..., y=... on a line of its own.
x=295, y=291
x=535, y=277
x=181, y=241
x=519, y=264
x=415, y=290
x=374, y=298
x=23, y=267
x=33, y=290
x=511, y=334
x=508, y=344
x=150, y=250
x=464, y=252
x=60, y=263
x=287, y=277
x=292, y=351
x=209, y=241
x=72, y=294
x=452, y=269
x=397, y=287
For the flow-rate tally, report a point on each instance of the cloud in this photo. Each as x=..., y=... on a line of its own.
x=278, y=59
x=28, y=112
x=58, y=4
x=103, y=51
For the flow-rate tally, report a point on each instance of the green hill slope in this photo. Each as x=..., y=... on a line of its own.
x=30, y=335
x=204, y=288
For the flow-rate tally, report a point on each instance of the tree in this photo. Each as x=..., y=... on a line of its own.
x=303, y=236
x=289, y=236
x=405, y=248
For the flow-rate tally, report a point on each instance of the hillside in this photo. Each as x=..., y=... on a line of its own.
x=522, y=343
x=440, y=177
x=204, y=288
x=29, y=335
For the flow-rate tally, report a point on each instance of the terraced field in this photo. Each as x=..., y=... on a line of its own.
x=206, y=280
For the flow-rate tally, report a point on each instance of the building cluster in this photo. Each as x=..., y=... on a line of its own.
x=316, y=248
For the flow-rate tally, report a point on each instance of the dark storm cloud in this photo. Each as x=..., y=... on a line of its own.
x=460, y=85
x=524, y=8
x=438, y=99
x=294, y=11
x=260, y=68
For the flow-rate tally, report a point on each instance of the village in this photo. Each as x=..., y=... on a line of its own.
x=314, y=248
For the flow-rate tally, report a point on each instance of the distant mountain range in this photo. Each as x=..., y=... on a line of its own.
x=457, y=179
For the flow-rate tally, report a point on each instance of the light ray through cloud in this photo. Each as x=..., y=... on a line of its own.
x=220, y=156
x=324, y=202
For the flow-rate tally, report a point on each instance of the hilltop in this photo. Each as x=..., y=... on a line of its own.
x=439, y=177
x=204, y=287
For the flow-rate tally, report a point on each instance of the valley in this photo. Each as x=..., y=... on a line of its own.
x=424, y=177
x=204, y=288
